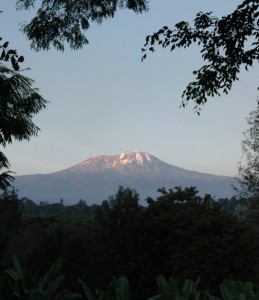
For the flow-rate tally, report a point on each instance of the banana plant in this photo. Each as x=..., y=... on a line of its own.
x=170, y=290
x=88, y=293
x=238, y=290
x=120, y=288
x=117, y=289
x=21, y=286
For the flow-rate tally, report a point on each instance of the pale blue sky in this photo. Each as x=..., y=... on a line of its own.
x=105, y=101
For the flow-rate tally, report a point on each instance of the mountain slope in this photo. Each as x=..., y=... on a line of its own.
x=96, y=178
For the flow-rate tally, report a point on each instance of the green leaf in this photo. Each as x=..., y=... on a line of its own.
x=188, y=287
x=122, y=288
x=162, y=284
x=225, y=292
x=48, y=294
x=248, y=290
x=87, y=291
x=12, y=274
x=53, y=272
x=17, y=268
x=211, y=297
x=34, y=295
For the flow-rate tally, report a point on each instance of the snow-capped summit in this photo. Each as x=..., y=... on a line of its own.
x=128, y=159
x=135, y=156
x=98, y=177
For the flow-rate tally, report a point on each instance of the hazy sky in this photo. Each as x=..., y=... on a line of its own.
x=103, y=100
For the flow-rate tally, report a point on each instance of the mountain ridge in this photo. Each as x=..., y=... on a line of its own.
x=98, y=177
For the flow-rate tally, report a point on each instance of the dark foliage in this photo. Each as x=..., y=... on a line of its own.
x=10, y=55
x=64, y=21
x=227, y=44
x=178, y=233
x=19, y=103
x=248, y=177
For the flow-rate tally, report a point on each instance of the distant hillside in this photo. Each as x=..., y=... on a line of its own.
x=96, y=178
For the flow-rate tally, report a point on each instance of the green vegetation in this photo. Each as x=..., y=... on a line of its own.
x=18, y=285
x=178, y=233
x=14, y=285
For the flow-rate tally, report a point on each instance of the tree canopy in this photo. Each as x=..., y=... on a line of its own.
x=10, y=54
x=19, y=102
x=227, y=45
x=178, y=232
x=249, y=167
x=64, y=21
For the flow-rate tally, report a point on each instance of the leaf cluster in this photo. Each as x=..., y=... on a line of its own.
x=64, y=21
x=248, y=172
x=22, y=286
x=19, y=102
x=10, y=55
x=227, y=44
x=17, y=284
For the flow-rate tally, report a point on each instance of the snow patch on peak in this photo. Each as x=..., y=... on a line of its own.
x=134, y=156
x=148, y=157
x=123, y=155
x=125, y=158
x=139, y=158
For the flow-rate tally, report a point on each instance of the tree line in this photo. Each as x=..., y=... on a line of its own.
x=228, y=44
x=179, y=233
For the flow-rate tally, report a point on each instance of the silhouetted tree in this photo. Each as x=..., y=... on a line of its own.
x=57, y=22
x=188, y=235
x=227, y=45
x=10, y=216
x=19, y=102
x=248, y=177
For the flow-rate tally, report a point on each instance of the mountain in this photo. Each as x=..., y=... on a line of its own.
x=98, y=177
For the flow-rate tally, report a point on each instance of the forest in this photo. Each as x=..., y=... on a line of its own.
x=179, y=234
x=179, y=245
